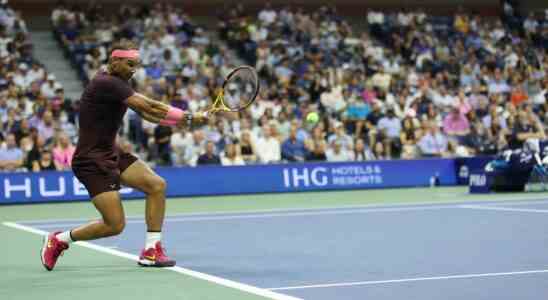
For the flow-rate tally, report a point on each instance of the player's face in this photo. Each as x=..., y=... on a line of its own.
x=125, y=68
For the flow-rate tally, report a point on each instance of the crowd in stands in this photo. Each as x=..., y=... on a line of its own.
x=34, y=124
x=405, y=86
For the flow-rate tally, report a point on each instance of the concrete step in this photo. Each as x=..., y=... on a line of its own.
x=48, y=52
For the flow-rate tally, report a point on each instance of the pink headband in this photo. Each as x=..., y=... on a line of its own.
x=132, y=54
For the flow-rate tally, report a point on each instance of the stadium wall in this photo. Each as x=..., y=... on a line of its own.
x=19, y=188
x=345, y=7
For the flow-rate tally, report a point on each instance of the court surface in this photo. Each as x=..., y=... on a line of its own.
x=378, y=244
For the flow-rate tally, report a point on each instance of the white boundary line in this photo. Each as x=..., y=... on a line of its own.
x=214, y=279
x=270, y=215
x=358, y=283
x=500, y=208
x=512, y=201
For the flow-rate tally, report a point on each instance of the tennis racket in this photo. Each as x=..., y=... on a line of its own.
x=238, y=92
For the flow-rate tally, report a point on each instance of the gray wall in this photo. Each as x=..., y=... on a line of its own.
x=348, y=7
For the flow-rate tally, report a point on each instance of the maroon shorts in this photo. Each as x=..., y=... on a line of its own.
x=102, y=175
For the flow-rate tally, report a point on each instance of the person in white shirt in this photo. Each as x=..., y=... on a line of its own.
x=338, y=153
x=381, y=79
x=268, y=146
x=50, y=86
x=22, y=78
x=195, y=148
x=442, y=99
x=36, y=72
x=267, y=15
x=179, y=140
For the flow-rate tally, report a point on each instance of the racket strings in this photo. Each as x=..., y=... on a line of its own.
x=240, y=89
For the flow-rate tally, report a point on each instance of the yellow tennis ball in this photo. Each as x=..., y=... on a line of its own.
x=312, y=117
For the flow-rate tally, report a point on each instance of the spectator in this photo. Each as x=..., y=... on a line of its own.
x=46, y=127
x=390, y=128
x=433, y=143
x=231, y=156
x=11, y=157
x=63, y=153
x=162, y=141
x=247, y=148
x=317, y=152
x=409, y=137
x=379, y=152
x=193, y=150
x=338, y=152
x=293, y=149
x=455, y=124
x=45, y=163
x=361, y=151
x=209, y=157
x=268, y=146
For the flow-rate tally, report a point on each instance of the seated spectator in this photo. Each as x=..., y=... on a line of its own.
x=63, y=152
x=46, y=126
x=293, y=149
x=338, y=152
x=193, y=150
x=390, y=128
x=409, y=137
x=231, y=156
x=45, y=163
x=361, y=151
x=479, y=141
x=268, y=146
x=209, y=157
x=455, y=124
x=162, y=141
x=433, y=143
x=526, y=127
x=11, y=157
x=379, y=152
x=342, y=137
x=247, y=147
x=317, y=152
x=180, y=139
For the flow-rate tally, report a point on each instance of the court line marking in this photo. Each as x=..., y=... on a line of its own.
x=374, y=282
x=272, y=215
x=523, y=201
x=210, y=278
x=267, y=216
x=500, y=208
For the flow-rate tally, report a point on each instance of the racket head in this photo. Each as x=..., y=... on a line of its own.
x=239, y=89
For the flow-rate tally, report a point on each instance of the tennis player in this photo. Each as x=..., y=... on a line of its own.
x=101, y=166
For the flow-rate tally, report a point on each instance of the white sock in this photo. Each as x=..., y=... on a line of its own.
x=65, y=237
x=152, y=239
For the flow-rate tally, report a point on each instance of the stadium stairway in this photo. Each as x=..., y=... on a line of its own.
x=48, y=52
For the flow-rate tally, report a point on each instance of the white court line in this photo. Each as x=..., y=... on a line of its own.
x=271, y=215
x=500, y=208
x=214, y=279
x=514, y=201
x=358, y=283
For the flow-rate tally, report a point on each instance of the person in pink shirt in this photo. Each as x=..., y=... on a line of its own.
x=455, y=124
x=63, y=152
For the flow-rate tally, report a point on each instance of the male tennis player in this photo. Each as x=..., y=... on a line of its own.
x=101, y=166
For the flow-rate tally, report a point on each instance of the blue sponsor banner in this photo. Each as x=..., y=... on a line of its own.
x=218, y=180
x=468, y=165
x=478, y=183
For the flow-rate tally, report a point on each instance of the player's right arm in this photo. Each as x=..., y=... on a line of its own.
x=156, y=111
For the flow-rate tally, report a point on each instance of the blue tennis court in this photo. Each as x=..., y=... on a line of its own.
x=479, y=250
